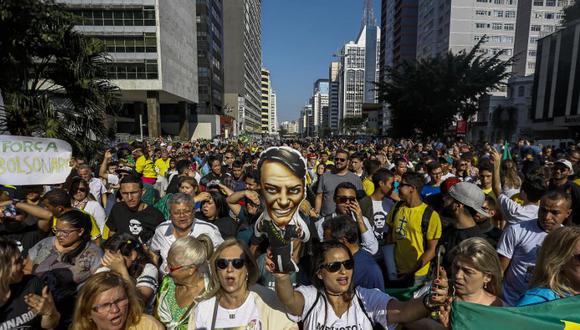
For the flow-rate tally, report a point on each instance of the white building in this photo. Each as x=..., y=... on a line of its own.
x=333, y=96
x=319, y=103
x=291, y=127
x=266, y=91
x=153, y=51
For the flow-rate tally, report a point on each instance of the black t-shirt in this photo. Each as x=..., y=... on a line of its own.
x=24, y=236
x=138, y=223
x=491, y=233
x=452, y=237
x=227, y=226
x=15, y=314
x=173, y=187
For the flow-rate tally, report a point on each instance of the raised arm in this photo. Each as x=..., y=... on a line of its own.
x=103, y=168
x=496, y=178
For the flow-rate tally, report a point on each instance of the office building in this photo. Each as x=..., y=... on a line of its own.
x=153, y=52
x=319, y=103
x=556, y=89
x=512, y=27
x=273, y=119
x=210, y=56
x=243, y=62
x=333, y=96
x=265, y=103
x=399, y=32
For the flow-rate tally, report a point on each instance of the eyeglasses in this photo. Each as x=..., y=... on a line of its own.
x=182, y=213
x=106, y=307
x=63, y=232
x=237, y=263
x=176, y=268
x=340, y=159
x=334, y=267
x=345, y=199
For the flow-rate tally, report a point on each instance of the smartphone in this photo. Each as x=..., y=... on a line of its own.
x=439, y=262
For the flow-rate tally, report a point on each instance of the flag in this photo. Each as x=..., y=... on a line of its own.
x=561, y=314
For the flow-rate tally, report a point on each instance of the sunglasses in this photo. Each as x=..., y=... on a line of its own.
x=176, y=268
x=237, y=263
x=340, y=160
x=81, y=189
x=334, y=267
x=344, y=199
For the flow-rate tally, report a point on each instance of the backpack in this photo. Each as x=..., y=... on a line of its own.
x=360, y=302
x=424, y=219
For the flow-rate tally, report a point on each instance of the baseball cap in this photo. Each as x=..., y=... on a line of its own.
x=566, y=163
x=470, y=195
x=448, y=183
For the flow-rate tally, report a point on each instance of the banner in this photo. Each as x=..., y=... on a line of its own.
x=561, y=314
x=26, y=160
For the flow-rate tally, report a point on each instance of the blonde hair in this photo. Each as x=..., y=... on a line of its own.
x=191, y=250
x=509, y=175
x=97, y=284
x=251, y=265
x=479, y=254
x=556, y=251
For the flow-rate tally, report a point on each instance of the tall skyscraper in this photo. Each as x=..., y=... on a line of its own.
x=333, y=96
x=210, y=56
x=265, y=109
x=399, y=32
x=319, y=103
x=273, y=114
x=153, y=52
x=243, y=62
x=359, y=69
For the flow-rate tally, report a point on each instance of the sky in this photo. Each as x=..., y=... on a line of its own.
x=299, y=38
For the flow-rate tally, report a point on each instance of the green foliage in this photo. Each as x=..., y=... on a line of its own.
x=571, y=13
x=352, y=124
x=53, y=84
x=427, y=95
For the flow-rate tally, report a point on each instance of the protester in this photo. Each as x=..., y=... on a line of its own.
x=24, y=302
x=334, y=302
x=108, y=302
x=187, y=281
x=234, y=304
x=557, y=271
x=215, y=210
x=84, y=201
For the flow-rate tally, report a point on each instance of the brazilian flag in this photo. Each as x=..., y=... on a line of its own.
x=561, y=314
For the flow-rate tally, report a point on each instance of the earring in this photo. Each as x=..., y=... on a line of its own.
x=485, y=285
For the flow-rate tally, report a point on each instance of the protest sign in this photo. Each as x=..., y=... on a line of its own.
x=26, y=160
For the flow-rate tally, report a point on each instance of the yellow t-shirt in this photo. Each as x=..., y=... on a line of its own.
x=408, y=237
x=368, y=186
x=162, y=165
x=95, y=231
x=489, y=192
x=147, y=322
x=145, y=167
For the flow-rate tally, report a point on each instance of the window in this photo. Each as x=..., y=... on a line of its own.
x=476, y=37
x=507, y=39
x=536, y=28
x=496, y=39
x=498, y=2
x=510, y=14
x=498, y=13
x=484, y=1
x=550, y=3
x=538, y=14
x=497, y=26
x=531, y=65
x=510, y=2
x=481, y=25
x=533, y=40
x=549, y=15
x=532, y=52
x=548, y=28
x=143, y=70
x=538, y=3
x=482, y=12
x=508, y=26
x=562, y=3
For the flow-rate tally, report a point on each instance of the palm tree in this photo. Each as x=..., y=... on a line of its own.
x=56, y=89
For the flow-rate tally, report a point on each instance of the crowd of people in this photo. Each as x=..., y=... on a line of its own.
x=168, y=235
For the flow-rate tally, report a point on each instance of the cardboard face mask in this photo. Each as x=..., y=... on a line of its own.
x=282, y=177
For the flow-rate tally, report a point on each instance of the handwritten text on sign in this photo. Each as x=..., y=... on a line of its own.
x=26, y=160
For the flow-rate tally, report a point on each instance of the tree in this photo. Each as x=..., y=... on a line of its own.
x=53, y=85
x=504, y=121
x=428, y=95
x=352, y=124
x=571, y=13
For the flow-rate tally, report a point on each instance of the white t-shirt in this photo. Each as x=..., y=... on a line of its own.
x=521, y=243
x=514, y=212
x=368, y=242
x=97, y=188
x=243, y=317
x=96, y=210
x=322, y=316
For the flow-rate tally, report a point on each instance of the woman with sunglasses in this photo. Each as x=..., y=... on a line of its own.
x=334, y=302
x=23, y=299
x=557, y=271
x=233, y=305
x=186, y=283
x=108, y=302
x=84, y=201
